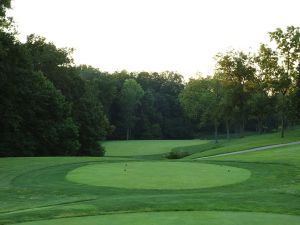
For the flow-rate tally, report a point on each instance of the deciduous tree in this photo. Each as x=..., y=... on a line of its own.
x=130, y=97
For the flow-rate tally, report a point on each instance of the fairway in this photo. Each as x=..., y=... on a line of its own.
x=178, y=218
x=149, y=147
x=158, y=175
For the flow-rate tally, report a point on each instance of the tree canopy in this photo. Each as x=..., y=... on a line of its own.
x=50, y=106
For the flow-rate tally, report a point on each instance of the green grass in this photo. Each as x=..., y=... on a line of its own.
x=19, y=178
x=239, y=144
x=36, y=190
x=148, y=147
x=288, y=154
x=172, y=218
x=158, y=175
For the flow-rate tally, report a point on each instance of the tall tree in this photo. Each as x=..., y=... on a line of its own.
x=55, y=63
x=106, y=86
x=227, y=106
x=148, y=124
x=236, y=68
x=288, y=46
x=93, y=124
x=87, y=108
x=131, y=95
x=35, y=118
x=202, y=100
x=264, y=85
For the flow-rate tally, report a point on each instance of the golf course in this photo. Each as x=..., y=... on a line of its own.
x=129, y=187
x=149, y=112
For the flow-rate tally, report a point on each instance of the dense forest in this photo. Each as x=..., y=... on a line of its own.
x=50, y=106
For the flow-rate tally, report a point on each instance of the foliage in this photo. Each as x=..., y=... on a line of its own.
x=177, y=155
x=49, y=106
x=237, y=70
x=130, y=97
x=203, y=99
x=288, y=46
x=5, y=23
x=35, y=117
x=4, y=4
x=93, y=124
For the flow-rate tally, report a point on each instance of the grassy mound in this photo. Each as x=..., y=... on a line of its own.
x=158, y=175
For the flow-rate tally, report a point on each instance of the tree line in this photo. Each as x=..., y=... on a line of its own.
x=259, y=91
x=50, y=106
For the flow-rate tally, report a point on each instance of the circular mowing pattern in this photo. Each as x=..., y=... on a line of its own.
x=158, y=175
x=177, y=218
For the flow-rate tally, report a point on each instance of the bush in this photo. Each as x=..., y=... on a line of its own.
x=177, y=155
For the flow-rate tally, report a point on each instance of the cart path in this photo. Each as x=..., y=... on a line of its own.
x=251, y=150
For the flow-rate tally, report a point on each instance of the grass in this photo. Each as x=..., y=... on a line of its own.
x=145, y=147
x=171, y=218
x=288, y=154
x=35, y=190
x=158, y=175
x=238, y=144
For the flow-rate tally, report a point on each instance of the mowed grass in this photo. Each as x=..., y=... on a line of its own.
x=37, y=191
x=146, y=147
x=288, y=154
x=173, y=218
x=158, y=175
x=20, y=180
x=238, y=144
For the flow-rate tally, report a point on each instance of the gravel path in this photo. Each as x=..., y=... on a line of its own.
x=252, y=150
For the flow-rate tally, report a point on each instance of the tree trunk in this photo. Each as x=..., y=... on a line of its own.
x=282, y=116
x=127, y=134
x=283, y=99
x=216, y=131
x=227, y=130
x=282, y=126
x=242, y=128
x=260, y=126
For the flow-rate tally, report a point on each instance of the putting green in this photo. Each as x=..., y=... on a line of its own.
x=174, y=218
x=158, y=175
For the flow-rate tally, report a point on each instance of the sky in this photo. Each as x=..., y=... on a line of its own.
x=154, y=35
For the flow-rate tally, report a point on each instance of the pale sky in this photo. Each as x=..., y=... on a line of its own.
x=154, y=35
